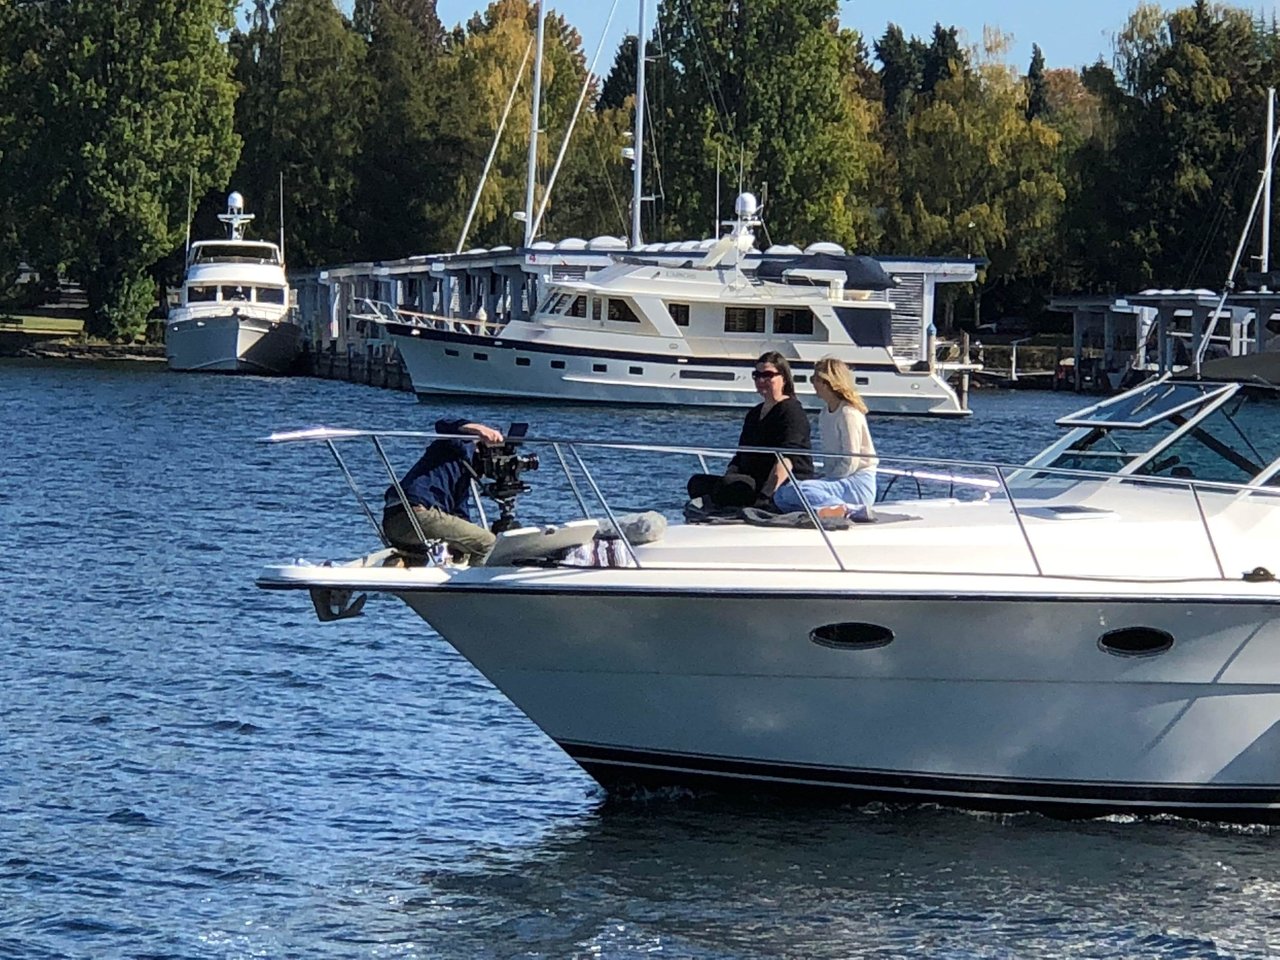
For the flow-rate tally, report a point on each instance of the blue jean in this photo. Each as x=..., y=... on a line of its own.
x=858, y=489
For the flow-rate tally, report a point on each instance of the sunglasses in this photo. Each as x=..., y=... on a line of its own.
x=765, y=374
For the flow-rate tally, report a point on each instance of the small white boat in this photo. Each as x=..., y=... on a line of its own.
x=1095, y=631
x=235, y=314
x=651, y=331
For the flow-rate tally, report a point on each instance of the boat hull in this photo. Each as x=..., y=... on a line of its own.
x=985, y=702
x=232, y=344
x=444, y=362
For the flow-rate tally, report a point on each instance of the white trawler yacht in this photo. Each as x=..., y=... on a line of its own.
x=235, y=314
x=651, y=331
x=1097, y=630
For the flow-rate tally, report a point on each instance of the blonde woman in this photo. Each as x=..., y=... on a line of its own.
x=849, y=456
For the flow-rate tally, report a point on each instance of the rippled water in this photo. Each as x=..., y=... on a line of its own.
x=195, y=768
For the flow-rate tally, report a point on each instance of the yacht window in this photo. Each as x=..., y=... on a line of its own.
x=679, y=313
x=800, y=378
x=637, y=370
x=448, y=352
x=861, y=382
x=269, y=294
x=201, y=294
x=599, y=368
x=557, y=364
x=744, y=319
x=522, y=361
x=620, y=311
x=480, y=356
x=579, y=307
x=595, y=308
x=792, y=321
x=234, y=292
x=706, y=375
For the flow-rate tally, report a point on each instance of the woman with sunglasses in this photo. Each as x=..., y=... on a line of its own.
x=778, y=421
x=849, y=456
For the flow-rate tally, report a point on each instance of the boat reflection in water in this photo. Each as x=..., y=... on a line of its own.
x=1093, y=631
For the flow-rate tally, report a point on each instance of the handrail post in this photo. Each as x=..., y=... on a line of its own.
x=568, y=475
x=404, y=500
x=351, y=482
x=1204, y=522
x=813, y=515
x=1017, y=516
x=591, y=481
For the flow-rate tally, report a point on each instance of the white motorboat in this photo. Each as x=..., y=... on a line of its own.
x=235, y=314
x=1095, y=631
x=651, y=331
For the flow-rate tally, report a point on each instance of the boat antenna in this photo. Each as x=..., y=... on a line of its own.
x=191, y=177
x=532, y=173
x=493, y=149
x=637, y=169
x=715, y=221
x=1264, y=182
x=282, y=216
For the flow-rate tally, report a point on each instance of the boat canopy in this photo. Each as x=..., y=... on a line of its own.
x=861, y=273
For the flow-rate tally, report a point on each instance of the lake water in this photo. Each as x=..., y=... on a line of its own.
x=195, y=768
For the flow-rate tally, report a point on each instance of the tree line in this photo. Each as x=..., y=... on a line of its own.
x=123, y=125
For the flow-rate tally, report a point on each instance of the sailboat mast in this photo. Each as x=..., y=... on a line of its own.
x=532, y=173
x=637, y=169
x=1270, y=163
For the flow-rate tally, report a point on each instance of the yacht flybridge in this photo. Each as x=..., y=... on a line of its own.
x=235, y=314
x=648, y=330
x=1097, y=630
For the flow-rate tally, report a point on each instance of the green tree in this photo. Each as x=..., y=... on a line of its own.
x=1037, y=89
x=765, y=86
x=121, y=103
x=902, y=70
x=977, y=177
x=398, y=173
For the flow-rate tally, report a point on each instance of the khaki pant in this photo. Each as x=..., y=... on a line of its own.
x=475, y=542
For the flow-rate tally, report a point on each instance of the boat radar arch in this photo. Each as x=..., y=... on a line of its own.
x=235, y=218
x=729, y=250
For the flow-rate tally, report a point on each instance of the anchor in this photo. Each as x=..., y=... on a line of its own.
x=336, y=604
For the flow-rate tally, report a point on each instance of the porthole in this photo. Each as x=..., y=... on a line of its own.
x=851, y=636
x=450, y=353
x=599, y=368
x=480, y=356
x=1136, y=642
x=522, y=361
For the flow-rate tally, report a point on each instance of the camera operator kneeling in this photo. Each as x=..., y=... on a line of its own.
x=438, y=488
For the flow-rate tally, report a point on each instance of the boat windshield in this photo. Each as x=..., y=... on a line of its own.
x=1165, y=431
x=241, y=252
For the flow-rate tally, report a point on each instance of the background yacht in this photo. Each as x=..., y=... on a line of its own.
x=235, y=313
x=651, y=331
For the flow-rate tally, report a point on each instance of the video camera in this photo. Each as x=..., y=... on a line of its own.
x=498, y=466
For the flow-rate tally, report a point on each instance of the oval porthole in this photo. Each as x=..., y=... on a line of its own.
x=1136, y=641
x=851, y=636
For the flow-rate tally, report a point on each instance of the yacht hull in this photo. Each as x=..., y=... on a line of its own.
x=441, y=362
x=232, y=343
x=979, y=701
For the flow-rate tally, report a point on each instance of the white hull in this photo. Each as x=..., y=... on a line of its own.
x=982, y=697
x=440, y=362
x=229, y=343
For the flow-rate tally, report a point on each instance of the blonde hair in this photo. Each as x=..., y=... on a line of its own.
x=837, y=375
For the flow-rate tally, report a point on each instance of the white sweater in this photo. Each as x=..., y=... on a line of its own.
x=844, y=431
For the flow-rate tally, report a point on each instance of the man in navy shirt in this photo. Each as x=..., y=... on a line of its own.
x=438, y=488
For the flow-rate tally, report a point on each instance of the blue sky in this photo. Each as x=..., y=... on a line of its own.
x=1071, y=34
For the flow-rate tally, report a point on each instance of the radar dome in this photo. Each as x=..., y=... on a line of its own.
x=746, y=206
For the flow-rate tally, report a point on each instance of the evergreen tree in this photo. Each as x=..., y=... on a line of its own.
x=121, y=103
x=1037, y=90
x=621, y=81
x=399, y=174
x=902, y=70
x=765, y=85
x=321, y=105
x=943, y=59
